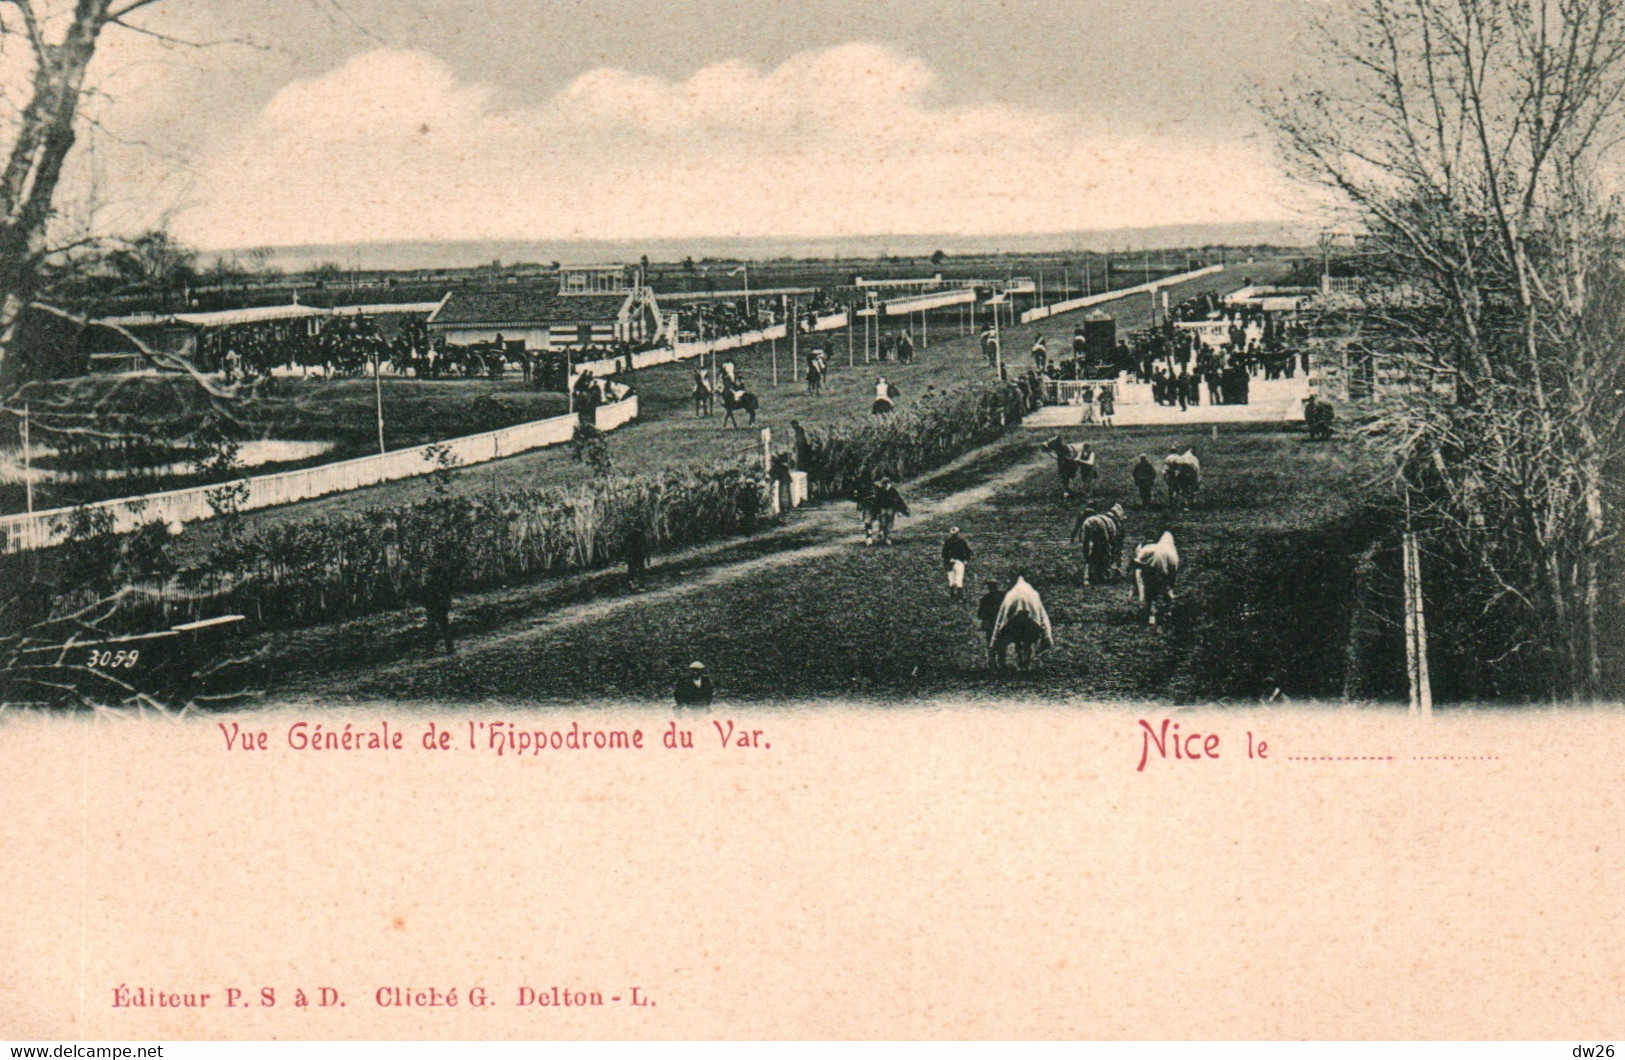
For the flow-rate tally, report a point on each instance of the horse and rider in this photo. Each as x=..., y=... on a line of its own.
x=1073, y=461
x=736, y=397
x=886, y=395
x=880, y=506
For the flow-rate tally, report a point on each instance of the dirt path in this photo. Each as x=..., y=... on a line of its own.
x=829, y=521
x=322, y=658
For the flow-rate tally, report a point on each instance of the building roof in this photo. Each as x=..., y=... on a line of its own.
x=254, y=315
x=514, y=306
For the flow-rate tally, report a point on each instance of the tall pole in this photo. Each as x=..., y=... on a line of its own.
x=378, y=397
x=1088, y=282
x=850, y=316
x=795, y=339
x=998, y=346
x=746, y=268
x=28, y=470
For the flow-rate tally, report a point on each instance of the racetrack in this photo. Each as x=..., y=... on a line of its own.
x=811, y=613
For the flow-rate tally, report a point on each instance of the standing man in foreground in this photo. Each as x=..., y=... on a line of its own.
x=955, y=556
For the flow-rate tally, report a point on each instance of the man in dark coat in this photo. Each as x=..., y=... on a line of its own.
x=1145, y=479
x=987, y=610
x=636, y=550
x=694, y=687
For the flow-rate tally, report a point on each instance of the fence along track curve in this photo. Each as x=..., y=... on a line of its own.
x=24, y=531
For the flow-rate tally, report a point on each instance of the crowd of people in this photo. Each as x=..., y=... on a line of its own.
x=1182, y=367
x=352, y=346
x=590, y=391
x=333, y=346
x=715, y=319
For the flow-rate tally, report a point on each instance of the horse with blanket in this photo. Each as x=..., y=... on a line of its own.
x=1022, y=622
x=1156, y=567
x=1182, y=473
x=1073, y=462
x=1102, y=534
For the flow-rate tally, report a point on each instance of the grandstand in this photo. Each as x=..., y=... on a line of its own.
x=594, y=305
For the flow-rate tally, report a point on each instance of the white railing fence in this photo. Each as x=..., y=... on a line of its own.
x=43, y=529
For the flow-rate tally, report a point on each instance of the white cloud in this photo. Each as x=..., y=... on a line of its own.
x=842, y=141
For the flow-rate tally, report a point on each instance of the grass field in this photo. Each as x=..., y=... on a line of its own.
x=809, y=613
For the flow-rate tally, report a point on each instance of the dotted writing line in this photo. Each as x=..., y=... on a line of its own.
x=1390, y=758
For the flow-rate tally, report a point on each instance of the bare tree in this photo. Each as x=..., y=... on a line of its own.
x=61, y=42
x=1478, y=144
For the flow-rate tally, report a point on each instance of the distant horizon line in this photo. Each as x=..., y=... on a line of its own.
x=1282, y=232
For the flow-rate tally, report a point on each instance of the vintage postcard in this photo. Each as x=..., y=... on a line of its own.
x=735, y=520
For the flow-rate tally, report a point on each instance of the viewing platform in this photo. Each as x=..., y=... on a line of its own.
x=1269, y=401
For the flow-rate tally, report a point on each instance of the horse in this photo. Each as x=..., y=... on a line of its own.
x=1070, y=463
x=1156, y=567
x=1182, y=473
x=735, y=400
x=1318, y=416
x=1022, y=622
x=1102, y=535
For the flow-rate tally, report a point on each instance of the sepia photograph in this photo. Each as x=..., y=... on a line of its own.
x=443, y=437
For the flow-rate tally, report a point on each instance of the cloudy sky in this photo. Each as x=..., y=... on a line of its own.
x=349, y=121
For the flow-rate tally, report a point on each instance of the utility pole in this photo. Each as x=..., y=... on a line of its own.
x=795, y=338
x=998, y=346
x=378, y=397
x=28, y=469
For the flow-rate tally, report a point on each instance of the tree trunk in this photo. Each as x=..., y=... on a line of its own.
x=28, y=182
